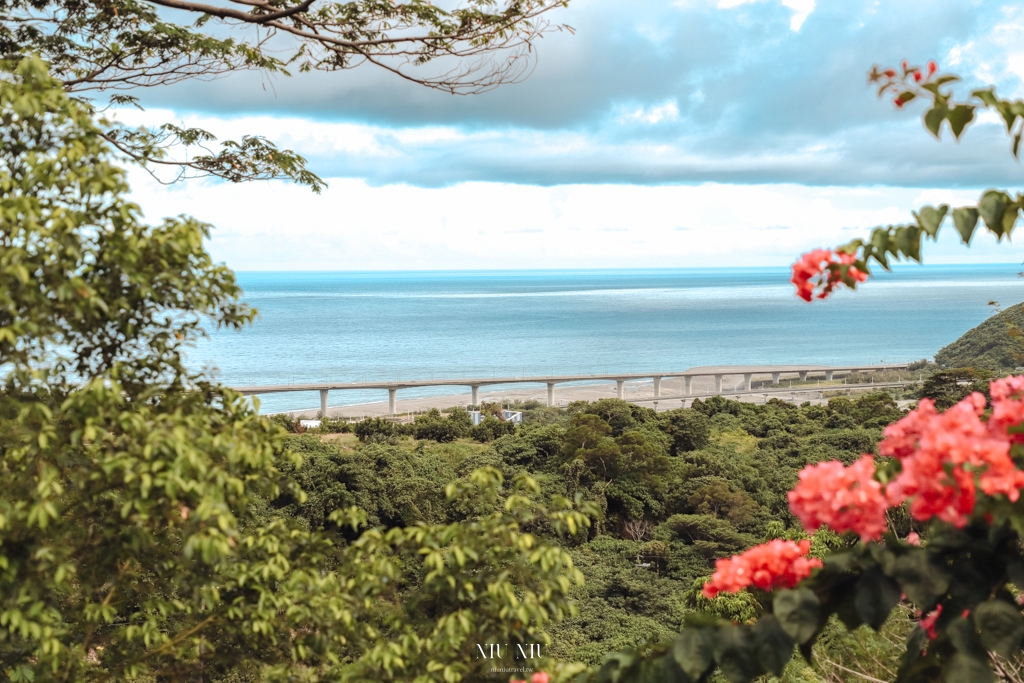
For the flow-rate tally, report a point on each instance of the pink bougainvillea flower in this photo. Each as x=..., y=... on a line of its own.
x=1007, y=407
x=947, y=456
x=844, y=498
x=775, y=564
x=928, y=622
x=540, y=677
x=824, y=269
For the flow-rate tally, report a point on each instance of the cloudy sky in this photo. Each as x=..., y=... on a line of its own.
x=658, y=133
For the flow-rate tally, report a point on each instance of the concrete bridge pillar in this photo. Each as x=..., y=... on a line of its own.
x=551, y=394
x=392, y=401
x=687, y=380
x=718, y=384
x=746, y=381
x=657, y=387
x=323, y=402
x=775, y=378
x=828, y=375
x=619, y=384
x=476, y=394
x=803, y=375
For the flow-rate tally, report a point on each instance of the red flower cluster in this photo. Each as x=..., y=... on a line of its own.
x=844, y=498
x=825, y=269
x=775, y=564
x=902, y=83
x=1007, y=407
x=928, y=622
x=946, y=456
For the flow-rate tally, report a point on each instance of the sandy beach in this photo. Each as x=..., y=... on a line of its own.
x=672, y=391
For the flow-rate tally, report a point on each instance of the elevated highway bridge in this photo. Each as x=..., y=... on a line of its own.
x=717, y=372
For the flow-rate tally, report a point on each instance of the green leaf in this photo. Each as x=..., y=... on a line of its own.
x=905, y=97
x=963, y=668
x=1006, y=110
x=962, y=635
x=693, y=651
x=734, y=652
x=1010, y=219
x=987, y=96
x=772, y=645
x=1000, y=626
x=992, y=208
x=608, y=672
x=917, y=641
x=907, y=239
x=959, y=117
x=923, y=582
x=934, y=117
x=797, y=611
x=965, y=220
x=667, y=670
x=880, y=239
x=930, y=218
x=876, y=596
x=846, y=610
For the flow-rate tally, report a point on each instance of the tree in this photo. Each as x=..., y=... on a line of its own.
x=132, y=541
x=433, y=426
x=120, y=46
x=689, y=429
x=949, y=387
x=374, y=429
x=717, y=499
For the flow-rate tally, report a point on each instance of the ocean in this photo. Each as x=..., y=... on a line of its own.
x=356, y=326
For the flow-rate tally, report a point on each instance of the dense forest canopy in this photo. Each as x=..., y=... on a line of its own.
x=996, y=345
x=675, y=490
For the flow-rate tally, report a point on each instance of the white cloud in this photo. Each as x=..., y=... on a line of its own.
x=667, y=111
x=353, y=226
x=801, y=9
x=288, y=131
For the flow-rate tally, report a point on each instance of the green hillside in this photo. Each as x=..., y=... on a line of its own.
x=996, y=344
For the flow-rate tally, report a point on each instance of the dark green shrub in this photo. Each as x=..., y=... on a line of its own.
x=374, y=430
x=284, y=421
x=491, y=428
x=435, y=427
x=337, y=425
x=689, y=429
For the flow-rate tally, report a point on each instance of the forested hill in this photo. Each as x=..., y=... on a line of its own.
x=996, y=344
x=676, y=490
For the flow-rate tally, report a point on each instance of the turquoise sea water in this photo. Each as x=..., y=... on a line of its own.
x=316, y=327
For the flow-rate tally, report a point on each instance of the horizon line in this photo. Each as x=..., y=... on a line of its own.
x=876, y=270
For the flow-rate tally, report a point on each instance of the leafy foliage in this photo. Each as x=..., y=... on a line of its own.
x=148, y=525
x=994, y=345
x=998, y=210
x=433, y=426
x=949, y=387
x=124, y=45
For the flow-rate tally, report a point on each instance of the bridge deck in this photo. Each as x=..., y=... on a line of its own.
x=702, y=371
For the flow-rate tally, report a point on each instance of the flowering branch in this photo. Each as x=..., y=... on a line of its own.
x=997, y=209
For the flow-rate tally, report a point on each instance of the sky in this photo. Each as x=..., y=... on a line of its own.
x=656, y=133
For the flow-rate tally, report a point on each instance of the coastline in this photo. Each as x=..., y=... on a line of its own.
x=672, y=391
